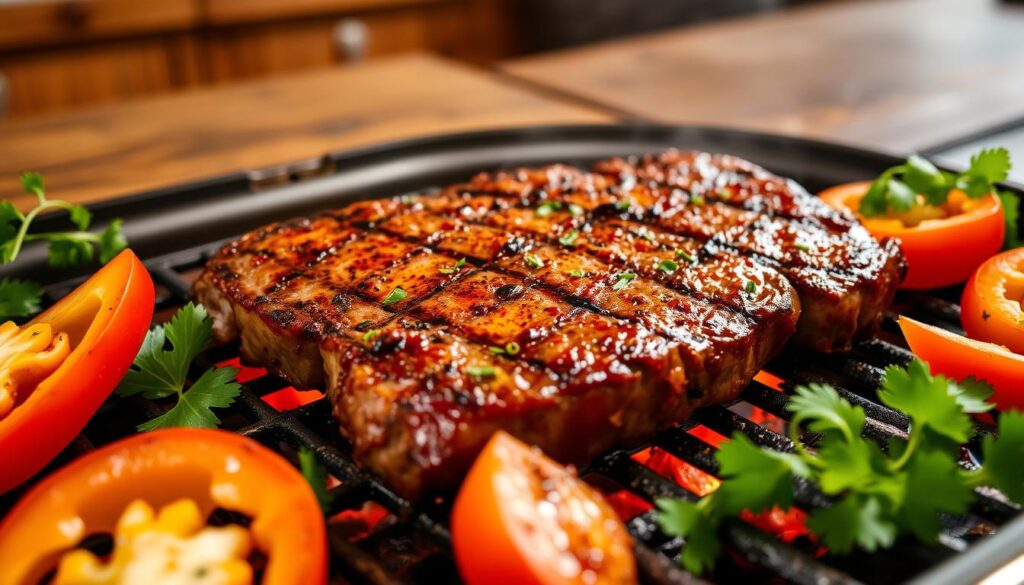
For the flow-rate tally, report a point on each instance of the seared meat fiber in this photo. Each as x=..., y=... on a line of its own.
x=577, y=311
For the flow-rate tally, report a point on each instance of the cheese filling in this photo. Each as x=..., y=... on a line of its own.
x=28, y=355
x=172, y=547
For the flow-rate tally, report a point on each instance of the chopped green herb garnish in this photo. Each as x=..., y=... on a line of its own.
x=570, y=238
x=876, y=495
x=751, y=287
x=577, y=273
x=685, y=256
x=496, y=350
x=648, y=235
x=371, y=335
x=667, y=265
x=512, y=348
x=623, y=280
x=724, y=193
x=547, y=208
x=533, y=261
x=575, y=210
x=454, y=268
x=623, y=204
x=697, y=199
x=396, y=295
x=897, y=188
x=802, y=247
x=481, y=371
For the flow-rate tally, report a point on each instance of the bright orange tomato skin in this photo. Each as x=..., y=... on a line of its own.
x=107, y=318
x=939, y=252
x=490, y=547
x=958, y=357
x=990, y=309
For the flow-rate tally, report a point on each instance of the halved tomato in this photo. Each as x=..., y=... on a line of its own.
x=943, y=244
x=992, y=307
x=959, y=357
x=522, y=518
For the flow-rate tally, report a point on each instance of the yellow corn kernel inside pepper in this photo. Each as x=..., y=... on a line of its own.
x=172, y=547
x=28, y=355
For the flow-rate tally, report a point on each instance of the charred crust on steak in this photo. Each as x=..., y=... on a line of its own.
x=597, y=365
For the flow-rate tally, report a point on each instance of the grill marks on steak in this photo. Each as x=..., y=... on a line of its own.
x=416, y=384
x=844, y=277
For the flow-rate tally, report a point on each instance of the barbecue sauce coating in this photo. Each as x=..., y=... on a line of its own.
x=631, y=296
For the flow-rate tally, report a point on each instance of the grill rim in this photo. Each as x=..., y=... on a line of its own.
x=232, y=192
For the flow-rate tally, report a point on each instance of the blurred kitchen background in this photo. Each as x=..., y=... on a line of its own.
x=57, y=55
x=109, y=97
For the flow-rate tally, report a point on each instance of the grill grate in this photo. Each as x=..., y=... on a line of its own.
x=413, y=544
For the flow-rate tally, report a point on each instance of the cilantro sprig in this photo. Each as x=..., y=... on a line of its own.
x=158, y=373
x=876, y=494
x=66, y=248
x=897, y=188
x=19, y=298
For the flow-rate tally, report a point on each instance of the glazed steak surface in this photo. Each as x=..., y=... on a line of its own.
x=578, y=311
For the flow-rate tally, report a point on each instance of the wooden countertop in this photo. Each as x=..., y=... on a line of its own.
x=896, y=75
x=116, y=150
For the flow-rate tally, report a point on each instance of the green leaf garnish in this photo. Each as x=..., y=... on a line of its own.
x=876, y=495
x=577, y=273
x=750, y=288
x=396, y=296
x=1011, y=211
x=19, y=298
x=159, y=373
x=533, y=261
x=371, y=335
x=68, y=248
x=316, y=476
x=897, y=188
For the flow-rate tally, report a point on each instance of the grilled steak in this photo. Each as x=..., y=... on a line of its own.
x=578, y=311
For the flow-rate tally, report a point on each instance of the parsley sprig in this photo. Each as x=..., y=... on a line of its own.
x=876, y=494
x=159, y=373
x=19, y=298
x=65, y=248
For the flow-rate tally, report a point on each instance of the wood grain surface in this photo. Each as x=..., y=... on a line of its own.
x=117, y=150
x=892, y=74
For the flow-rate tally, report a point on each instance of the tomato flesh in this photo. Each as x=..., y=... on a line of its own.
x=992, y=306
x=522, y=518
x=940, y=251
x=959, y=357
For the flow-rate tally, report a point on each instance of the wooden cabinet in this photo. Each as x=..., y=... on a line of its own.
x=61, y=54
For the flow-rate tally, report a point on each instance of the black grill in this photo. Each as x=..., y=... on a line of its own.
x=412, y=543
